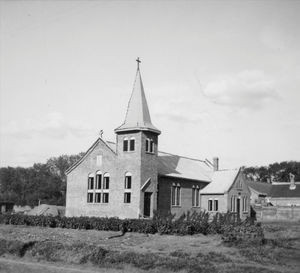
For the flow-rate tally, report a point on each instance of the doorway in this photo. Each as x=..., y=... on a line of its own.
x=147, y=204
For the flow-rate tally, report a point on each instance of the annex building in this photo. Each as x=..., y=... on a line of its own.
x=131, y=178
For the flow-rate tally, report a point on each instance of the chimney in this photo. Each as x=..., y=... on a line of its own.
x=292, y=180
x=216, y=163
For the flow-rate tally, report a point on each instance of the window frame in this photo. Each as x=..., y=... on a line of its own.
x=125, y=144
x=210, y=204
x=176, y=195
x=131, y=146
x=127, y=197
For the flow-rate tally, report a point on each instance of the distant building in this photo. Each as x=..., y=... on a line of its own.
x=6, y=206
x=131, y=178
x=259, y=192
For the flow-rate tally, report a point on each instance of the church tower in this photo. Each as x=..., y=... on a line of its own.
x=137, y=142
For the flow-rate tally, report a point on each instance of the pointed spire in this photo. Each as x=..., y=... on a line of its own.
x=137, y=115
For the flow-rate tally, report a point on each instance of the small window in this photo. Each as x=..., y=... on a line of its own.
x=175, y=195
x=90, y=197
x=127, y=197
x=91, y=183
x=97, y=197
x=147, y=145
x=125, y=144
x=151, y=146
x=106, y=182
x=132, y=143
x=105, y=197
x=216, y=205
x=98, y=180
x=210, y=205
x=128, y=181
x=193, y=197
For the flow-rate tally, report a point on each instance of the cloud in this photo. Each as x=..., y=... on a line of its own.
x=53, y=125
x=247, y=89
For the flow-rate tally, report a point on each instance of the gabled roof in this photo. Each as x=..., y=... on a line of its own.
x=137, y=115
x=221, y=182
x=283, y=191
x=260, y=187
x=182, y=167
x=110, y=146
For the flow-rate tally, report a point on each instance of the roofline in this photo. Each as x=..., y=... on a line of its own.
x=184, y=178
x=154, y=130
x=239, y=171
x=195, y=159
x=87, y=153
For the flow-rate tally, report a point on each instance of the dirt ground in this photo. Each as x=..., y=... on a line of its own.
x=209, y=248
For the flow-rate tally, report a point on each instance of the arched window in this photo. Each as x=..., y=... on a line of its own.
x=175, y=194
x=98, y=180
x=90, y=190
x=132, y=144
x=106, y=180
x=125, y=144
x=128, y=180
x=91, y=182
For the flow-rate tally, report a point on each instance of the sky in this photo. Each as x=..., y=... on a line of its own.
x=221, y=78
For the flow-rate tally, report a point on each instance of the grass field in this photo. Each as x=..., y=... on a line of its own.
x=36, y=249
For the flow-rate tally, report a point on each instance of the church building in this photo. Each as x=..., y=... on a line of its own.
x=130, y=178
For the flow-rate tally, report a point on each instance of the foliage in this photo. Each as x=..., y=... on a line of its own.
x=187, y=224
x=41, y=182
x=278, y=171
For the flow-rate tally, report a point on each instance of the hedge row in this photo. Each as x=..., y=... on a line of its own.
x=189, y=223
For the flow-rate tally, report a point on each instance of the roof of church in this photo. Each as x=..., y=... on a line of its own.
x=183, y=167
x=221, y=181
x=137, y=115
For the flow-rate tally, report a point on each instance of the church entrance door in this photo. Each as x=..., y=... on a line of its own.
x=147, y=204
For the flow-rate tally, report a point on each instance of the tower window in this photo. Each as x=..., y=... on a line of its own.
x=147, y=145
x=132, y=143
x=128, y=181
x=127, y=197
x=125, y=144
x=151, y=146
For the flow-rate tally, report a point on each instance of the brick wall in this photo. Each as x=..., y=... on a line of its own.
x=164, y=195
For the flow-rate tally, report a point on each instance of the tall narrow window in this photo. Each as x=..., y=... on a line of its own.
x=105, y=197
x=147, y=145
x=106, y=182
x=98, y=197
x=128, y=181
x=132, y=144
x=90, y=197
x=91, y=183
x=216, y=205
x=127, y=197
x=151, y=146
x=125, y=144
x=193, y=196
x=105, y=190
x=176, y=195
x=197, y=197
x=90, y=189
x=98, y=180
x=210, y=205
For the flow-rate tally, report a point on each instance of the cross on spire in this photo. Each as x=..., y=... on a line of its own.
x=138, y=62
